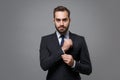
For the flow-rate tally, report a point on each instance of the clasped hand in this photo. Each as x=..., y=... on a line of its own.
x=67, y=44
x=67, y=58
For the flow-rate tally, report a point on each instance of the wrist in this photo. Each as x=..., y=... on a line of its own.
x=63, y=50
x=74, y=62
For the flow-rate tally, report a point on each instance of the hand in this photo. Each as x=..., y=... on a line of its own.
x=68, y=59
x=67, y=44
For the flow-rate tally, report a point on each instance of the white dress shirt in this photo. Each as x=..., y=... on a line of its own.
x=59, y=36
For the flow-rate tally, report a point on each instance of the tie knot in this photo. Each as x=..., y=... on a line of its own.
x=62, y=36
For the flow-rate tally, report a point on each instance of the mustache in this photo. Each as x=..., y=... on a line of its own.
x=61, y=26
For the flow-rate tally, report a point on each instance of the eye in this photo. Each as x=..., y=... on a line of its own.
x=58, y=20
x=65, y=19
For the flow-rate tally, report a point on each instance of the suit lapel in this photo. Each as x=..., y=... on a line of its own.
x=55, y=40
x=71, y=36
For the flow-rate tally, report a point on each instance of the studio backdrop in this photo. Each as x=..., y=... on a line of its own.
x=24, y=22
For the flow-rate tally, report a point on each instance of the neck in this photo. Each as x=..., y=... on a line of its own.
x=63, y=33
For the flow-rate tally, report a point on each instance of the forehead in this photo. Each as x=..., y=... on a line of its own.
x=61, y=14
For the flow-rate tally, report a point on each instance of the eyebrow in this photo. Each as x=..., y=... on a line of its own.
x=61, y=19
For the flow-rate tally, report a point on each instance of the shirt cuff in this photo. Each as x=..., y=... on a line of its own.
x=63, y=51
x=74, y=64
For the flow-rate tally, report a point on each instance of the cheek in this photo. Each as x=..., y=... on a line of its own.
x=57, y=25
x=66, y=24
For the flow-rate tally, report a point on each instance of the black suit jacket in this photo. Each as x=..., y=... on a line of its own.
x=50, y=58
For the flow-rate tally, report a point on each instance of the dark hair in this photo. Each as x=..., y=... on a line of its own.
x=61, y=8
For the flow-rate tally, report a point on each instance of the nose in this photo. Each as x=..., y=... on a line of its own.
x=61, y=22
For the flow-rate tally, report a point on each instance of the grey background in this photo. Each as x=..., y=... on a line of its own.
x=23, y=22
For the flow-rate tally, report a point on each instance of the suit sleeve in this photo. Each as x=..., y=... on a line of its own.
x=47, y=60
x=84, y=64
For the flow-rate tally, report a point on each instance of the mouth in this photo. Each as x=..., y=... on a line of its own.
x=61, y=27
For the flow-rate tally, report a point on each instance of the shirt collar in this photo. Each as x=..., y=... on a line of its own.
x=66, y=35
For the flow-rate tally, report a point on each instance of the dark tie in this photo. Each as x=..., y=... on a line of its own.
x=62, y=40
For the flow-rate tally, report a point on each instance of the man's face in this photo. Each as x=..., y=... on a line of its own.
x=61, y=21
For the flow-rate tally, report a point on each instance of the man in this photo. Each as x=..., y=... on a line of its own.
x=64, y=54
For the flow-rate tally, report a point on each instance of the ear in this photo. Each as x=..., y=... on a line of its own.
x=70, y=19
x=53, y=20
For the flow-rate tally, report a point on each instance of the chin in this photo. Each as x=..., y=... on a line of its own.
x=62, y=32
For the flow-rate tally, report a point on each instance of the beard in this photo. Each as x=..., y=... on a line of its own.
x=62, y=29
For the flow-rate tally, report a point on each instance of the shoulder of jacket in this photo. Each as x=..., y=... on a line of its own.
x=48, y=36
x=76, y=35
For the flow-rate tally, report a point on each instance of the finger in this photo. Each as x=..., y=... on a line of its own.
x=64, y=57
